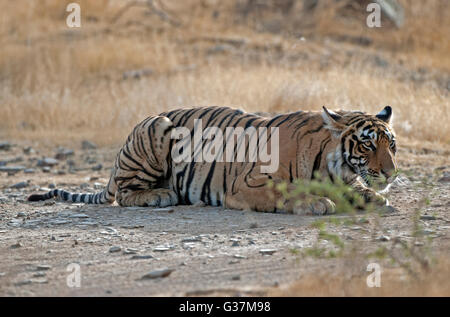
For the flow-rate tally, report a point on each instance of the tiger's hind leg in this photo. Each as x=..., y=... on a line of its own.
x=143, y=166
x=158, y=197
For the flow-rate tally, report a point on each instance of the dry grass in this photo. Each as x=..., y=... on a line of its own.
x=394, y=282
x=61, y=85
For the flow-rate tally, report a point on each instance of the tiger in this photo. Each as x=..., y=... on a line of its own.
x=352, y=146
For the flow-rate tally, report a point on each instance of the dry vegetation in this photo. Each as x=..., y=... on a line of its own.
x=59, y=84
x=394, y=282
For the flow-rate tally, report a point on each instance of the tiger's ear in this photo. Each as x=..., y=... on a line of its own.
x=331, y=121
x=385, y=114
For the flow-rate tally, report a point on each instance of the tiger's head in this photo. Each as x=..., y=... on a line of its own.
x=367, y=144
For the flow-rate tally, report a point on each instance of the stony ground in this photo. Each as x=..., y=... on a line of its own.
x=186, y=250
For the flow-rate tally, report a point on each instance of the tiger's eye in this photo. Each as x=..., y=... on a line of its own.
x=368, y=143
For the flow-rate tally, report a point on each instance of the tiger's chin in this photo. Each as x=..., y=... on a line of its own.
x=380, y=184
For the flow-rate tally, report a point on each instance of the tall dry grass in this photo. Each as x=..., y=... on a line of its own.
x=60, y=85
x=394, y=282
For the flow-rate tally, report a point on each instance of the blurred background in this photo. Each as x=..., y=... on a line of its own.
x=131, y=59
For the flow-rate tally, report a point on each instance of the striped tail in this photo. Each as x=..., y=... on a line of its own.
x=98, y=198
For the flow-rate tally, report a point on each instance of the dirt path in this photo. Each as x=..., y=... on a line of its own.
x=209, y=251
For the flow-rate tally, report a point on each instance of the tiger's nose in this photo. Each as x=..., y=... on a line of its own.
x=389, y=173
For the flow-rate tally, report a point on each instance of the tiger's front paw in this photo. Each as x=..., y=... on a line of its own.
x=318, y=207
x=374, y=197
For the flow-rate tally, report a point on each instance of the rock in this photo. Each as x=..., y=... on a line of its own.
x=168, y=210
x=427, y=217
x=47, y=161
x=16, y=245
x=132, y=226
x=20, y=185
x=79, y=216
x=238, y=256
x=5, y=146
x=130, y=251
x=59, y=222
x=43, y=267
x=141, y=257
x=267, y=251
x=114, y=249
x=88, y=145
x=383, y=238
x=12, y=169
x=444, y=179
x=428, y=231
x=235, y=244
x=192, y=239
x=29, y=171
x=157, y=274
x=253, y=225
x=28, y=150
x=84, y=185
x=40, y=281
x=46, y=169
x=63, y=153
x=21, y=214
x=161, y=249
x=97, y=167
x=24, y=282
x=235, y=277
x=90, y=160
x=98, y=186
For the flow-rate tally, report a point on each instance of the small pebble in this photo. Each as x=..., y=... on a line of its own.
x=24, y=282
x=88, y=145
x=157, y=274
x=130, y=251
x=161, y=249
x=115, y=249
x=168, y=210
x=141, y=257
x=427, y=217
x=47, y=161
x=383, y=238
x=39, y=274
x=43, y=267
x=97, y=167
x=192, y=239
x=235, y=277
x=20, y=185
x=267, y=251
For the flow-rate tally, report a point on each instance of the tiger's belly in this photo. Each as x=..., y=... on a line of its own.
x=197, y=182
